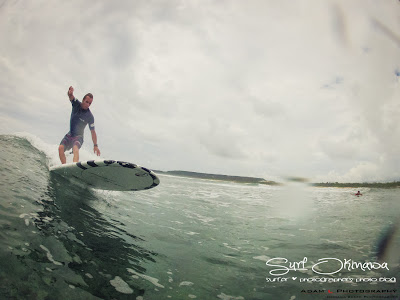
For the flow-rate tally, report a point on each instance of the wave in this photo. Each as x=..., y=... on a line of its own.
x=53, y=228
x=51, y=150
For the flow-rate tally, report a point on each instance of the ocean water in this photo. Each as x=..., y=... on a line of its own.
x=186, y=238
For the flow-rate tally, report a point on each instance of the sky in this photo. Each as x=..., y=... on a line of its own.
x=255, y=88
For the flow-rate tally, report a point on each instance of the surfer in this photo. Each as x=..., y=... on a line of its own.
x=358, y=193
x=80, y=117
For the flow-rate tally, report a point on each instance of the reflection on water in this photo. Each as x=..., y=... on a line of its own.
x=101, y=249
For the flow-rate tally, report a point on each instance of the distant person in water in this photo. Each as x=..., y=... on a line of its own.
x=358, y=193
x=80, y=117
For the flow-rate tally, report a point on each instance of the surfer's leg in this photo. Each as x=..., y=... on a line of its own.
x=61, y=153
x=64, y=146
x=75, y=150
x=77, y=144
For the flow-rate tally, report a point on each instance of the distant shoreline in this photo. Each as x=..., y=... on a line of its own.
x=385, y=185
x=255, y=180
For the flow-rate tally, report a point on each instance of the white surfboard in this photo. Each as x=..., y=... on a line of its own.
x=109, y=175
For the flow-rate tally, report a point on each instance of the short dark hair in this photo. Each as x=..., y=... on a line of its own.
x=88, y=94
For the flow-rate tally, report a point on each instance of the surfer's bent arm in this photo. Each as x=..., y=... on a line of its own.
x=94, y=139
x=71, y=93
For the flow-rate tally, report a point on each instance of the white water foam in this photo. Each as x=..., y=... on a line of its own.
x=148, y=278
x=51, y=150
x=120, y=285
x=50, y=256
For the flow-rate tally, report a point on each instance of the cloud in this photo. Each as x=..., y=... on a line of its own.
x=247, y=88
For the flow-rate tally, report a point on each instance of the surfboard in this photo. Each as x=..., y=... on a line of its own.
x=109, y=175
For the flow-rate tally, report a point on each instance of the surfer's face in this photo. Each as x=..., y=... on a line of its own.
x=86, y=102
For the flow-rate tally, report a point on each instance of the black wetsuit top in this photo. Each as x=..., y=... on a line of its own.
x=79, y=119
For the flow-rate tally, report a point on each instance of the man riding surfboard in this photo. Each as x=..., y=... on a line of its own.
x=80, y=117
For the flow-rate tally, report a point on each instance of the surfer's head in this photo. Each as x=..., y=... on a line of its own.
x=87, y=100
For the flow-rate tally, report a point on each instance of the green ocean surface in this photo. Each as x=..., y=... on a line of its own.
x=189, y=238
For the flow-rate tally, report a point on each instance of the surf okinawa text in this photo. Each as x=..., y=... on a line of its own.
x=324, y=266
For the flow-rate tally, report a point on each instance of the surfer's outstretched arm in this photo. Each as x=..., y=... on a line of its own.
x=71, y=93
x=94, y=139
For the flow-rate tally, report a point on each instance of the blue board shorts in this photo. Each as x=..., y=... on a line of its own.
x=69, y=141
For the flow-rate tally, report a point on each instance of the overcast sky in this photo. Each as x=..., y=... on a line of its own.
x=260, y=88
